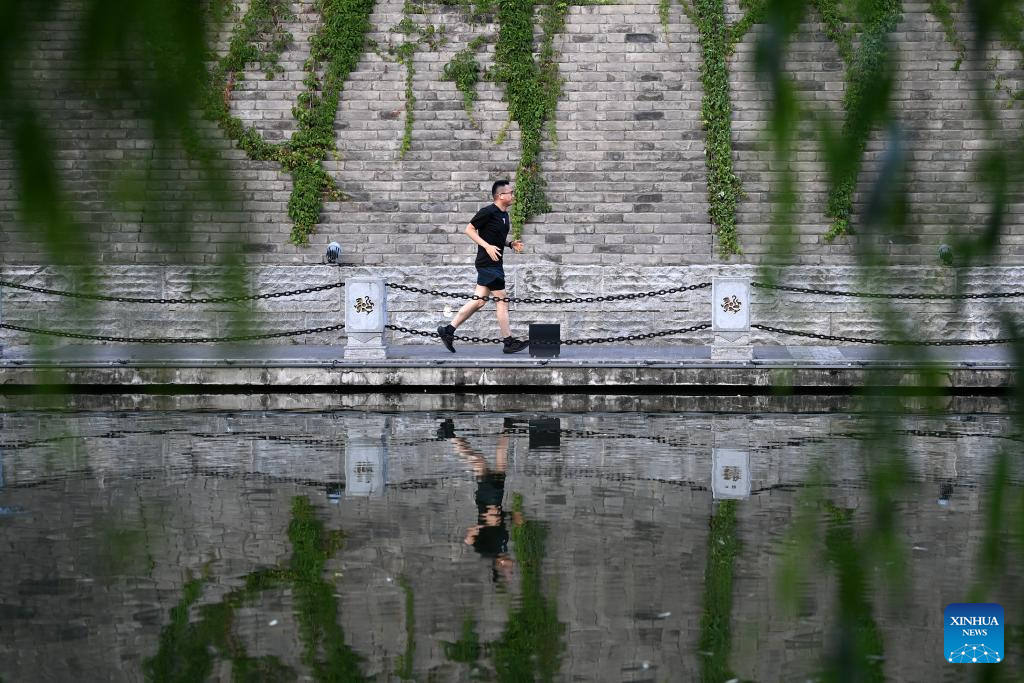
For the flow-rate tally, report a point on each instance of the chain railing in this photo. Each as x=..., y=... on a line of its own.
x=547, y=300
x=883, y=295
x=172, y=340
x=508, y=299
x=567, y=342
x=885, y=342
x=185, y=300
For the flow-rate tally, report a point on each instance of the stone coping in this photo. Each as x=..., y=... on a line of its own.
x=429, y=368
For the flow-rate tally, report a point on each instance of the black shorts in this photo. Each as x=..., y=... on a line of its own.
x=491, y=277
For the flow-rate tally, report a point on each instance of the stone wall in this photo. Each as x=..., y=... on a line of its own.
x=978, y=319
x=626, y=173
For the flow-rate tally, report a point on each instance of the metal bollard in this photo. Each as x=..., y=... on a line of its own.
x=730, y=319
x=365, y=318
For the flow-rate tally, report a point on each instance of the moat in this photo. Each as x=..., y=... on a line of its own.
x=644, y=545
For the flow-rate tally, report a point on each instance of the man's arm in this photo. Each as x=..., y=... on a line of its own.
x=491, y=250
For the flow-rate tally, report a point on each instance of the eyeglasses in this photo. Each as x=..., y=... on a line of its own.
x=504, y=193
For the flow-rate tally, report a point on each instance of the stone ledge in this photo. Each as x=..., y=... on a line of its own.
x=667, y=370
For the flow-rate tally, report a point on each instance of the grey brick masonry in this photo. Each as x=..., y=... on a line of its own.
x=625, y=176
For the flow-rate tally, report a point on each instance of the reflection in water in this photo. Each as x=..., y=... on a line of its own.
x=715, y=645
x=857, y=652
x=366, y=459
x=531, y=644
x=187, y=648
x=730, y=473
x=512, y=547
x=489, y=536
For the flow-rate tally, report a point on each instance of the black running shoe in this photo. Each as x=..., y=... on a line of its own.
x=447, y=335
x=513, y=345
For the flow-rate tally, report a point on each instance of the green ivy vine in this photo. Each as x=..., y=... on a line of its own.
x=941, y=10
x=663, y=15
x=416, y=36
x=335, y=51
x=1012, y=33
x=465, y=72
x=866, y=71
x=724, y=188
x=836, y=27
x=532, y=89
x=754, y=13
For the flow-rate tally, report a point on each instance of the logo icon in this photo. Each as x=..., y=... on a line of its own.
x=973, y=633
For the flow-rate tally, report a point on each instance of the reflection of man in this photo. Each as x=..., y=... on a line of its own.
x=489, y=536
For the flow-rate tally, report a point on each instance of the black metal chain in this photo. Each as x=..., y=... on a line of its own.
x=173, y=340
x=634, y=337
x=567, y=342
x=421, y=333
x=132, y=300
x=879, y=295
x=888, y=342
x=529, y=300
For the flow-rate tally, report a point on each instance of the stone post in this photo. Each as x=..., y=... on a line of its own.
x=365, y=318
x=366, y=458
x=730, y=319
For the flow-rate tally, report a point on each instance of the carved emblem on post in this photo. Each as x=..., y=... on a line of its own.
x=364, y=304
x=731, y=304
x=366, y=310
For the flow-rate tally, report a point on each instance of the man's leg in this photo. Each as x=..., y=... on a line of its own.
x=501, y=308
x=447, y=332
x=472, y=306
x=512, y=345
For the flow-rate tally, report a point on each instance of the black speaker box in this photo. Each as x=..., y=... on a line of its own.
x=545, y=340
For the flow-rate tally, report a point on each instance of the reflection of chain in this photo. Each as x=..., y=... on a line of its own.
x=211, y=300
x=890, y=342
x=575, y=300
x=878, y=295
x=173, y=340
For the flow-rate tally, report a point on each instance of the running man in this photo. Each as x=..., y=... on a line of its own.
x=489, y=230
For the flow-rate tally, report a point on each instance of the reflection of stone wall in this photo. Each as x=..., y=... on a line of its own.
x=116, y=508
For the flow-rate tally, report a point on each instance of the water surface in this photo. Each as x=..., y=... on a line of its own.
x=451, y=546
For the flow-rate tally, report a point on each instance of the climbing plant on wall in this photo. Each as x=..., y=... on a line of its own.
x=413, y=37
x=868, y=79
x=335, y=50
x=532, y=87
x=528, y=71
x=717, y=41
x=942, y=11
x=465, y=72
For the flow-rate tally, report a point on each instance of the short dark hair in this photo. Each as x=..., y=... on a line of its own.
x=498, y=184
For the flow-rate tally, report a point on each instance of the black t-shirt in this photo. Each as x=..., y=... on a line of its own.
x=493, y=225
x=491, y=539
